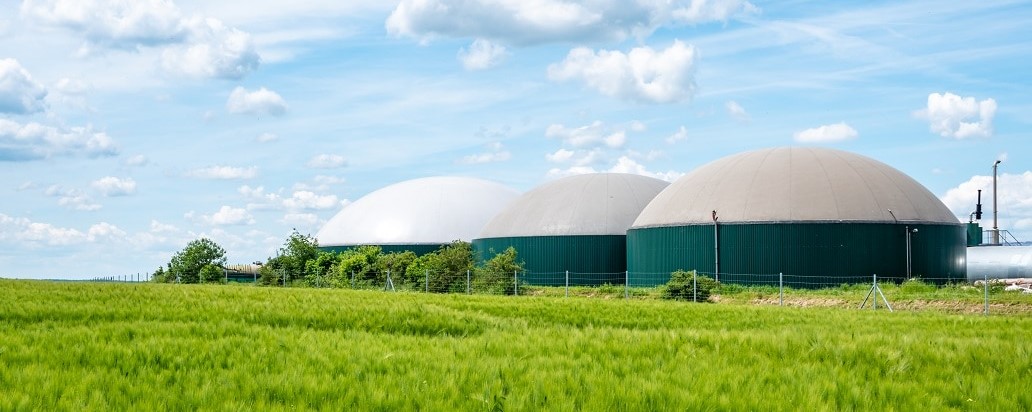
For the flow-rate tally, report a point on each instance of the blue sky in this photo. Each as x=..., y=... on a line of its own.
x=128, y=129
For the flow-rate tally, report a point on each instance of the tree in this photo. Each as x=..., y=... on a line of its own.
x=159, y=275
x=496, y=275
x=295, y=254
x=186, y=265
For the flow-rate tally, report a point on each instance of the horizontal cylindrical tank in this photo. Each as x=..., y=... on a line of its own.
x=999, y=262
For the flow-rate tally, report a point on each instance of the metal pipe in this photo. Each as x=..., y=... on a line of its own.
x=996, y=229
x=716, y=248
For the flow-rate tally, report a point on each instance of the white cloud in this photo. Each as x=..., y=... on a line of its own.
x=1014, y=201
x=828, y=133
x=643, y=74
x=158, y=227
x=266, y=137
x=594, y=134
x=305, y=200
x=958, y=117
x=105, y=230
x=227, y=215
x=545, y=21
x=680, y=135
x=327, y=161
x=560, y=156
x=136, y=160
x=259, y=102
x=627, y=165
x=72, y=198
x=482, y=54
x=25, y=230
x=224, y=172
x=195, y=46
x=33, y=141
x=212, y=50
x=19, y=94
x=496, y=153
x=113, y=186
x=736, y=111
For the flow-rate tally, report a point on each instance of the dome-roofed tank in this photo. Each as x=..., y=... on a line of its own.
x=418, y=215
x=829, y=215
x=576, y=223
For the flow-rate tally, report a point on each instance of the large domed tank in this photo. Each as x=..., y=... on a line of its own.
x=820, y=216
x=577, y=224
x=418, y=215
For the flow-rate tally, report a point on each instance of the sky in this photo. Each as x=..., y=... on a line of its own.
x=129, y=128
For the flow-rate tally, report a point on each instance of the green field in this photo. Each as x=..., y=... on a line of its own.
x=92, y=346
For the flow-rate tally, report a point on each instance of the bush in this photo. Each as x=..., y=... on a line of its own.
x=916, y=285
x=496, y=275
x=212, y=274
x=680, y=286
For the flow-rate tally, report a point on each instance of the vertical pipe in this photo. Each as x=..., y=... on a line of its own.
x=907, y=227
x=781, y=288
x=874, y=290
x=716, y=250
x=515, y=284
x=996, y=229
x=567, y=283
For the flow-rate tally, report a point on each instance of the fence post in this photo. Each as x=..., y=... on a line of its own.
x=567, y=283
x=515, y=284
x=426, y=274
x=467, y=281
x=695, y=288
x=626, y=285
x=781, y=288
x=985, y=285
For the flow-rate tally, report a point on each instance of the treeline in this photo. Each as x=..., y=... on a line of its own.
x=452, y=268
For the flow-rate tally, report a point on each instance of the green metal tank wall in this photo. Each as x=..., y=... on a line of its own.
x=418, y=249
x=591, y=259
x=809, y=254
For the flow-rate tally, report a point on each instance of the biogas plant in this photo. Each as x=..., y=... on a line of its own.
x=817, y=215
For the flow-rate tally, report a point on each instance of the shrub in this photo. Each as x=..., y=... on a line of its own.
x=680, y=286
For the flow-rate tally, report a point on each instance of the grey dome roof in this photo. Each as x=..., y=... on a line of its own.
x=590, y=204
x=432, y=210
x=797, y=184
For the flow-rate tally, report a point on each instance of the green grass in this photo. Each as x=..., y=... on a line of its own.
x=81, y=346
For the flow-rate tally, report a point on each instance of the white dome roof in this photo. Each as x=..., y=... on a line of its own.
x=591, y=204
x=432, y=210
x=795, y=184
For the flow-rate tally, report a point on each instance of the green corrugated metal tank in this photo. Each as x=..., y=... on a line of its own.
x=822, y=217
x=418, y=215
x=577, y=224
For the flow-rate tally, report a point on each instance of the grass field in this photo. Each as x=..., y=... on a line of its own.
x=88, y=346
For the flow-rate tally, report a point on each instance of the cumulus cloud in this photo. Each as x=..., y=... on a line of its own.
x=736, y=111
x=680, y=135
x=958, y=117
x=226, y=216
x=624, y=164
x=496, y=153
x=1014, y=200
x=33, y=141
x=482, y=54
x=136, y=160
x=327, y=161
x=19, y=93
x=594, y=134
x=643, y=74
x=73, y=199
x=27, y=231
x=194, y=46
x=560, y=156
x=259, y=102
x=305, y=200
x=113, y=186
x=301, y=219
x=828, y=133
x=224, y=172
x=546, y=21
x=212, y=50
